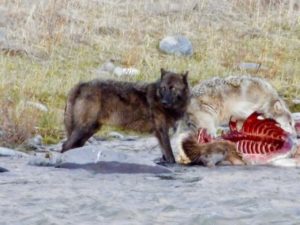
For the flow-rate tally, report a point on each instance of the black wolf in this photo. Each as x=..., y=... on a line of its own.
x=152, y=108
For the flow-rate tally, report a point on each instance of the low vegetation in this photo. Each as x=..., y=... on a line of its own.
x=48, y=46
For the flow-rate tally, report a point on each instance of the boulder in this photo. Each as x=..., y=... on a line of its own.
x=177, y=45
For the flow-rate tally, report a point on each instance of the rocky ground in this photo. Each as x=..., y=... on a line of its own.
x=118, y=182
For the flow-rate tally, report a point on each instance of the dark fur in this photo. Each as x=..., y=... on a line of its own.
x=198, y=152
x=153, y=107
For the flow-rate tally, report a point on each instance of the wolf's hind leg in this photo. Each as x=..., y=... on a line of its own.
x=79, y=136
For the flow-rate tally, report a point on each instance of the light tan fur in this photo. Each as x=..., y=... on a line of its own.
x=208, y=154
x=215, y=101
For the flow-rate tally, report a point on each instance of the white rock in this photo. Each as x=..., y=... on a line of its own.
x=45, y=159
x=109, y=66
x=11, y=152
x=119, y=71
x=177, y=45
x=287, y=162
x=37, y=105
x=296, y=101
x=35, y=142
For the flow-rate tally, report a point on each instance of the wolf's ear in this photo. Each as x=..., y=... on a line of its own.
x=185, y=77
x=278, y=107
x=162, y=72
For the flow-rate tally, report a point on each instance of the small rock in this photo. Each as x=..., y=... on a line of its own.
x=109, y=66
x=37, y=105
x=296, y=101
x=45, y=159
x=35, y=142
x=7, y=152
x=286, y=162
x=178, y=45
x=119, y=71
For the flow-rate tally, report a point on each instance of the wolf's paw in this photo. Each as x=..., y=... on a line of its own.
x=164, y=162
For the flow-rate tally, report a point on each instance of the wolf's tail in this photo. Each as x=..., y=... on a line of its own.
x=189, y=149
x=69, y=112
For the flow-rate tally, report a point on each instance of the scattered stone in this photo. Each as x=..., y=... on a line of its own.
x=35, y=143
x=296, y=101
x=45, y=159
x=287, y=162
x=119, y=71
x=178, y=45
x=37, y=105
x=251, y=66
x=109, y=66
x=7, y=152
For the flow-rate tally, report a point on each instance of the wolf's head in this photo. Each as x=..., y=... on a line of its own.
x=282, y=115
x=173, y=90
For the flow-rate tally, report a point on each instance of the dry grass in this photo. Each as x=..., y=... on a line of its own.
x=51, y=45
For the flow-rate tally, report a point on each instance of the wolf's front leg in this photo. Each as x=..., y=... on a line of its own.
x=162, y=134
x=164, y=141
